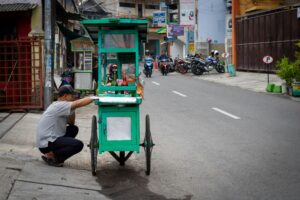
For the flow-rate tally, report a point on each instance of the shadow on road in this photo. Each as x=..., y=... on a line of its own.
x=126, y=183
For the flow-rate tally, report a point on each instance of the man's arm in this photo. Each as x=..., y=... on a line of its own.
x=71, y=119
x=81, y=102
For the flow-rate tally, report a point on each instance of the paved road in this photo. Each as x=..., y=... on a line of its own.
x=220, y=142
x=212, y=142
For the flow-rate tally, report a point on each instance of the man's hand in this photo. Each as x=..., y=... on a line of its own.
x=71, y=119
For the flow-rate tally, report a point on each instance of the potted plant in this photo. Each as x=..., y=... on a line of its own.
x=290, y=72
x=296, y=83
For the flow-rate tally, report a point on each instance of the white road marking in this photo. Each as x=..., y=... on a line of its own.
x=183, y=95
x=156, y=83
x=226, y=113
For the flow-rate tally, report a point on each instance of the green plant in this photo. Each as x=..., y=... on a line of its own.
x=286, y=70
x=297, y=62
x=289, y=71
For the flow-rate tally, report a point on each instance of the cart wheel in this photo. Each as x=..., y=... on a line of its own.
x=94, y=145
x=148, y=145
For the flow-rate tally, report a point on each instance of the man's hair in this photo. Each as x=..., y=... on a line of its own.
x=65, y=89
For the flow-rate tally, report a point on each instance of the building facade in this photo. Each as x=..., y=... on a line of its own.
x=22, y=48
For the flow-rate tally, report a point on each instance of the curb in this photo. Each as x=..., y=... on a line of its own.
x=9, y=122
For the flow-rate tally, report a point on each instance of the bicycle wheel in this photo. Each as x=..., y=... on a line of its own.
x=94, y=145
x=148, y=145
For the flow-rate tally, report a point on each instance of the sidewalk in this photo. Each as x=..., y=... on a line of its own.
x=23, y=175
x=256, y=82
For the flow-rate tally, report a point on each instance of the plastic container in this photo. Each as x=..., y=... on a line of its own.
x=296, y=89
x=270, y=87
x=277, y=89
x=231, y=70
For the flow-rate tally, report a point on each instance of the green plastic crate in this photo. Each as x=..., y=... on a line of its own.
x=270, y=87
x=277, y=89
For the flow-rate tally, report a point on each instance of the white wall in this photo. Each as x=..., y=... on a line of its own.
x=149, y=12
x=124, y=11
x=211, y=20
x=176, y=49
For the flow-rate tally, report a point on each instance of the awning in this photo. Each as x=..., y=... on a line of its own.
x=162, y=30
x=68, y=33
x=62, y=14
x=17, y=5
x=94, y=25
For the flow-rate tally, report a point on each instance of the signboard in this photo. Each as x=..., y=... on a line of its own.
x=191, y=48
x=159, y=18
x=191, y=36
x=175, y=30
x=82, y=44
x=268, y=59
x=187, y=12
x=228, y=26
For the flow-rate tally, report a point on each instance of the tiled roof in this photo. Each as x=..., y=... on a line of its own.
x=17, y=5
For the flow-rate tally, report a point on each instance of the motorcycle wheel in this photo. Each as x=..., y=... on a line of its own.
x=182, y=69
x=197, y=70
x=220, y=69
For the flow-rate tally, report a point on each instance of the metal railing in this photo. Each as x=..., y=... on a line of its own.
x=21, y=83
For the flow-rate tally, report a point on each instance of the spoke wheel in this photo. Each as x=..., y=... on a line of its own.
x=148, y=145
x=94, y=145
x=196, y=70
x=221, y=69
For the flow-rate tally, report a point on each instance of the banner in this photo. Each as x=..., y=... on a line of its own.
x=160, y=18
x=191, y=48
x=187, y=12
x=175, y=30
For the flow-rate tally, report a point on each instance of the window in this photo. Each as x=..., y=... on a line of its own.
x=127, y=5
x=153, y=7
x=118, y=41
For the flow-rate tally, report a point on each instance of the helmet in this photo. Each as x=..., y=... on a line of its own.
x=216, y=52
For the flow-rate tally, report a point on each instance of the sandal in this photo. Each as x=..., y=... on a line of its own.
x=52, y=162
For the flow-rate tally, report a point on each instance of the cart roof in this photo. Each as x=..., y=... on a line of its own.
x=94, y=25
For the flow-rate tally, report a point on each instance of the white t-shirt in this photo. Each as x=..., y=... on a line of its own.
x=53, y=123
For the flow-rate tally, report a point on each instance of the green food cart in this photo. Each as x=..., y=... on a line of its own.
x=117, y=128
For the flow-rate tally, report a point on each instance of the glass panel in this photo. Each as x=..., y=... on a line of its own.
x=88, y=60
x=118, y=41
x=118, y=128
x=83, y=81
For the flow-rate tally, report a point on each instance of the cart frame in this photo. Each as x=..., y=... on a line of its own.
x=117, y=128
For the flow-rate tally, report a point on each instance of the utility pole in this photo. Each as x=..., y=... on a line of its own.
x=49, y=20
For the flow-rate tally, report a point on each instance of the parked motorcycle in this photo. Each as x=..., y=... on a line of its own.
x=181, y=65
x=148, y=66
x=208, y=64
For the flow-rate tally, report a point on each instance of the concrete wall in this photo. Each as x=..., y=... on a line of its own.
x=176, y=49
x=211, y=20
x=124, y=11
x=36, y=21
